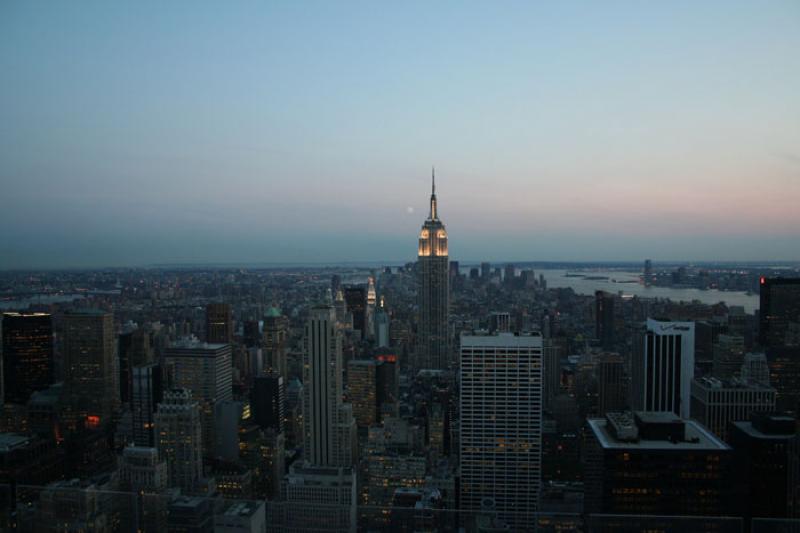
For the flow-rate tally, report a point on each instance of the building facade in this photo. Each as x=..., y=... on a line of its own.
x=433, y=336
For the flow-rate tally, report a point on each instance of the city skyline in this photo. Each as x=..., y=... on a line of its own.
x=267, y=133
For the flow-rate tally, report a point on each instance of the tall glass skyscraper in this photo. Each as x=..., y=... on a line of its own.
x=433, y=347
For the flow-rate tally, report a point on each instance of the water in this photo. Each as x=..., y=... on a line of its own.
x=557, y=279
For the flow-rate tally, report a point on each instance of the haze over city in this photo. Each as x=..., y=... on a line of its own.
x=149, y=132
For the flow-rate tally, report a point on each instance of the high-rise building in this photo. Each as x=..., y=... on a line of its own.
x=179, y=438
x=612, y=385
x=316, y=498
x=433, y=346
x=716, y=403
x=219, y=323
x=27, y=354
x=761, y=450
x=663, y=368
x=268, y=402
x=91, y=378
x=382, y=325
x=779, y=310
x=329, y=428
x=362, y=391
x=655, y=464
x=728, y=356
x=206, y=370
x=133, y=349
x=604, y=318
x=147, y=393
x=499, y=321
x=501, y=423
x=275, y=336
x=779, y=335
x=356, y=300
x=144, y=474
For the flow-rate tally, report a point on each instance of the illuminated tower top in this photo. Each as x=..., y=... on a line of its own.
x=433, y=236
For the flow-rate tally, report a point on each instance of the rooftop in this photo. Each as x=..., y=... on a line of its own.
x=637, y=434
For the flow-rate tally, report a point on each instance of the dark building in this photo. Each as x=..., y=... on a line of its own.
x=133, y=349
x=219, y=323
x=779, y=335
x=274, y=337
x=90, y=374
x=612, y=383
x=486, y=271
x=27, y=355
x=191, y=515
x=779, y=309
x=656, y=464
x=147, y=391
x=252, y=334
x=604, y=318
x=267, y=402
x=356, y=300
x=761, y=453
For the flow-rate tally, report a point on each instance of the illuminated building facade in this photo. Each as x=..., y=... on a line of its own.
x=433, y=336
x=501, y=423
x=90, y=376
x=27, y=355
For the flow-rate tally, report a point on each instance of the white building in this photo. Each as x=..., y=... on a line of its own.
x=501, y=423
x=716, y=402
x=663, y=369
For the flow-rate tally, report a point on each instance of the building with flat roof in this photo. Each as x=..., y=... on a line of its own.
x=655, y=463
x=717, y=402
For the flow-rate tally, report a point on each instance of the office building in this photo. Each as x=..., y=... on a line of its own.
x=316, y=498
x=27, y=355
x=767, y=479
x=716, y=403
x=433, y=294
x=219, y=323
x=655, y=464
x=193, y=514
x=362, y=391
x=612, y=383
x=486, y=271
x=499, y=321
x=147, y=393
x=779, y=335
x=663, y=368
x=356, y=300
x=241, y=516
x=268, y=402
x=178, y=430
x=728, y=356
x=133, y=349
x=329, y=427
x=274, y=339
x=501, y=423
x=604, y=318
x=648, y=273
x=91, y=378
x=206, y=370
x=382, y=325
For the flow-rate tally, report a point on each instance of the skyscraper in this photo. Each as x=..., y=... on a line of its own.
x=501, y=423
x=604, y=318
x=133, y=349
x=179, y=438
x=219, y=323
x=206, y=370
x=147, y=392
x=268, y=402
x=329, y=427
x=779, y=335
x=276, y=331
x=356, y=299
x=27, y=354
x=433, y=347
x=90, y=372
x=663, y=368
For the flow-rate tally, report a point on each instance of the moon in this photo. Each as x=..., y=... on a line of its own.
x=410, y=210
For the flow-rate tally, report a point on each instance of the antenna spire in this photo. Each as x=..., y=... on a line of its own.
x=434, y=215
x=433, y=180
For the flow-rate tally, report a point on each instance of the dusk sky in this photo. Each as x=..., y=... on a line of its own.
x=134, y=133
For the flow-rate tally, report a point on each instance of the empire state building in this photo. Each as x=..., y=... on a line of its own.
x=433, y=339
